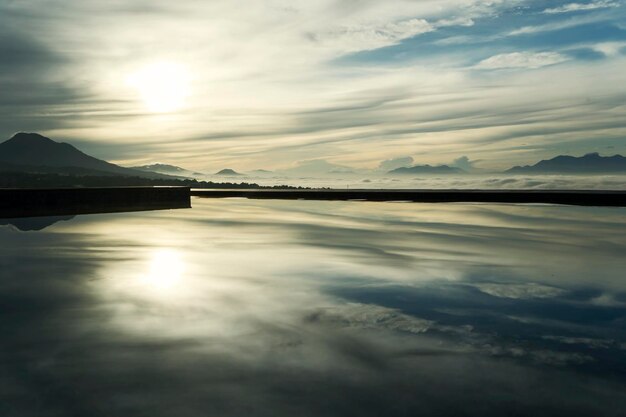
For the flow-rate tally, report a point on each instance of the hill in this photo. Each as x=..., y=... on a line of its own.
x=30, y=160
x=32, y=152
x=227, y=172
x=591, y=163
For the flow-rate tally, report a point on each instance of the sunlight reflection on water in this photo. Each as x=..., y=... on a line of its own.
x=255, y=307
x=166, y=270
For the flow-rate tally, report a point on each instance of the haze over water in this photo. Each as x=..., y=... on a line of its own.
x=275, y=308
x=474, y=181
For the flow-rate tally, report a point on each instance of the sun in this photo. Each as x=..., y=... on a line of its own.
x=162, y=86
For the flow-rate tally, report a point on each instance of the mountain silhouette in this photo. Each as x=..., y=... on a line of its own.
x=591, y=163
x=158, y=167
x=167, y=170
x=227, y=172
x=30, y=160
x=426, y=169
x=27, y=224
x=32, y=152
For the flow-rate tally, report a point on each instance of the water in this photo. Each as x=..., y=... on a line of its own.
x=282, y=308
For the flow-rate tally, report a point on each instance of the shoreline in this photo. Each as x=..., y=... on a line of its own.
x=17, y=203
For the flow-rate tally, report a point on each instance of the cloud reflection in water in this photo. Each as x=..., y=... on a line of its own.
x=244, y=307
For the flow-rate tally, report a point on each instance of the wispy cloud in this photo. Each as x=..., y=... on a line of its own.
x=551, y=26
x=521, y=60
x=351, y=83
x=575, y=7
x=609, y=49
x=389, y=164
x=373, y=37
x=464, y=163
x=519, y=291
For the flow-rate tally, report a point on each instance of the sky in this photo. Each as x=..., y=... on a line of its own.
x=276, y=84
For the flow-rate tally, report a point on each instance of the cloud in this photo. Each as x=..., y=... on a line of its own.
x=592, y=343
x=389, y=164
x=316, y=167
x=558, y=24
x=31, y=79
x=541, y=182
x=373, y=37
x=296, y=90
x=575, y=7
x=240, y=333
x=609, y=49
x=457, y=21
x=370, y=37
x=371, y=317
x=520, y=291
x=521, y=60
x=464, y=163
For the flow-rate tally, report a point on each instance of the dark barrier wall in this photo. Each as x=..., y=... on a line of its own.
x=572, y=197
x=67, y=201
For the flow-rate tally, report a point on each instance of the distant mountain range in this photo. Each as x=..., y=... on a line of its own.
x=33, y=160
x=30, y=160
x=34, y=153
x=168, y=170
x=426, y=169
x=592, y=163
x=182, y=172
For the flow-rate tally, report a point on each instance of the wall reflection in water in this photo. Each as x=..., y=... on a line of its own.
x=276, y=308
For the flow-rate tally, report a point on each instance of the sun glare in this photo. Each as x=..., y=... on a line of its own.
x=166, y=270
x=163, y=87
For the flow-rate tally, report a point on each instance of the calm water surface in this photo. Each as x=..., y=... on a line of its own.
x=282, y=308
